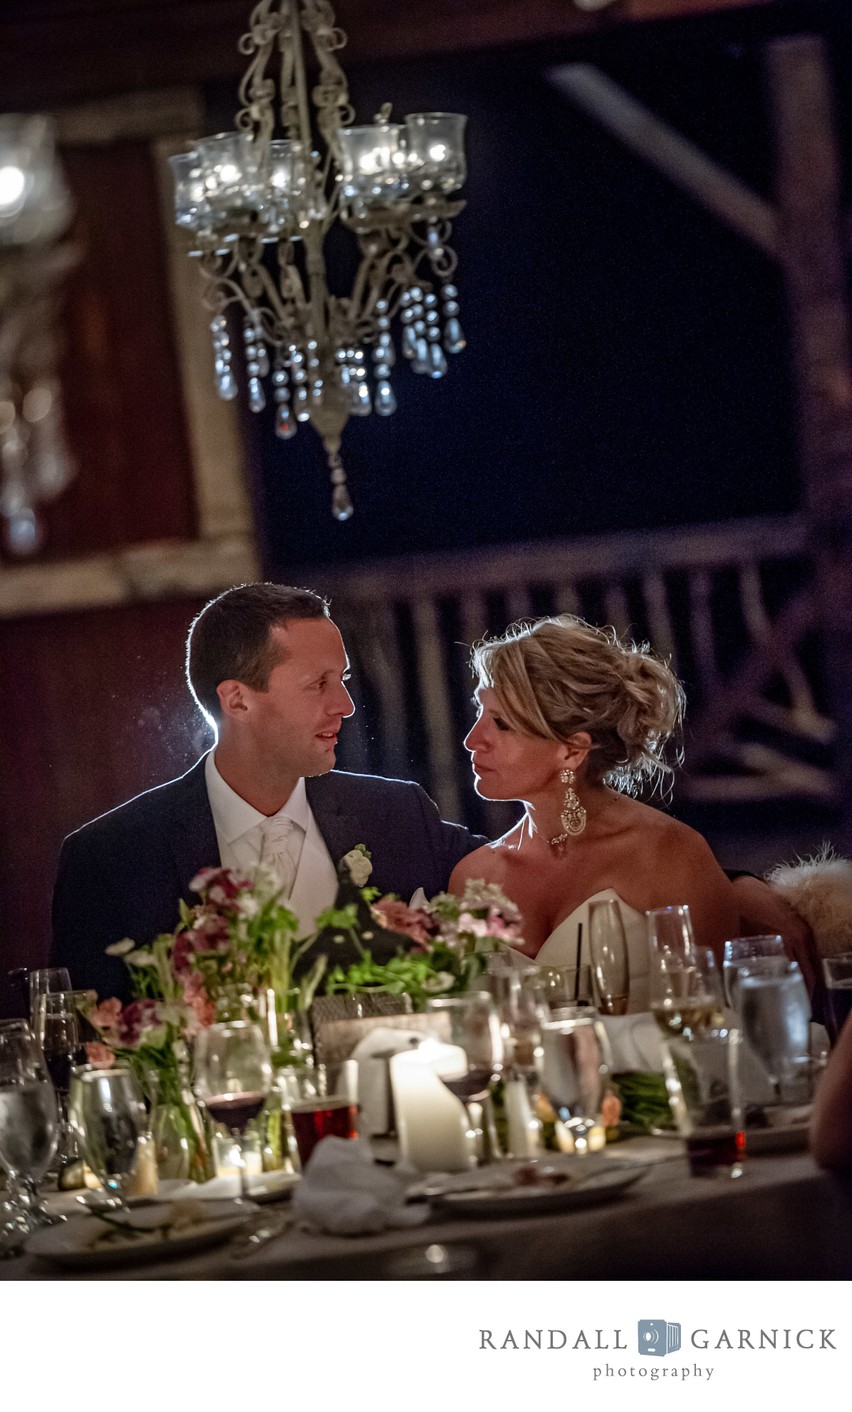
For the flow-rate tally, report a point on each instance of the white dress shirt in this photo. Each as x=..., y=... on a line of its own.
x=241, y=833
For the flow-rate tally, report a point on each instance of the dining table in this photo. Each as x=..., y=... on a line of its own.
x=783, y=1219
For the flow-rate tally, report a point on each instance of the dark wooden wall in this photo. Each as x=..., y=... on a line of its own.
x=93, y=707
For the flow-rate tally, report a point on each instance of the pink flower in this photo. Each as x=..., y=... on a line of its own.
x=182, y=953
x=498, y=925
x=135, y=1018
x=399, y=917
x=106, y=1015
x=99, y=1055
x=210, y=932
x=219, y=884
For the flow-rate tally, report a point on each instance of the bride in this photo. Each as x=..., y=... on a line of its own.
x=571, y=722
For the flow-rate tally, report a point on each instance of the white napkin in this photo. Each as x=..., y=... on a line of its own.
x=372, y=1054
x=635, y=1041
x=342, y=1191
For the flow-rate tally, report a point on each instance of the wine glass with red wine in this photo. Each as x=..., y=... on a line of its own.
x=233, y=1076
x=471, y=1024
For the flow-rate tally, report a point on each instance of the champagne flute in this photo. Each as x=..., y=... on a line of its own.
x=43, y=982
x=776, y=1012
x=608, y=952
x=58, y=1033
x=472, y=1025
x=573, y=1068
x=233, y=1076
x=686, y=991
x=107, y=1111
x=670, y=932
x=740, y=952
x=28, y=1123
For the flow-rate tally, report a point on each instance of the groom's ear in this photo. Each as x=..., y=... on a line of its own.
x=232, y=697
x=576, y=749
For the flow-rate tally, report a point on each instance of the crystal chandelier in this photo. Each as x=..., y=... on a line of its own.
x=257, y=209
x=35, y=209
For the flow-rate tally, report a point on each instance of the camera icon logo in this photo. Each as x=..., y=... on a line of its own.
x=657, y=1338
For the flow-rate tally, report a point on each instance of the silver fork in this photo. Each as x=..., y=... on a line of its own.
x=245, y=1243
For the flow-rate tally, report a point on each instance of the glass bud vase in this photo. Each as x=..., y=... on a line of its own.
x=178, y=1129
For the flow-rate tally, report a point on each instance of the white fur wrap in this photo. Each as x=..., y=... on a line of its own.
x=820, y=890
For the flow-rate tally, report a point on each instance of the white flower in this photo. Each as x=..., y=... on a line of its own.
x=121, y=948
x=357, y=864
x=247, y=906
x=140, y=958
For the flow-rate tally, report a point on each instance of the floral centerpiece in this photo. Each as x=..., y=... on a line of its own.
x=443, y=943
x=233, y=953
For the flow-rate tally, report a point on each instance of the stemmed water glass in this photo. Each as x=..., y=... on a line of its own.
x=471, y=1024
x=573, y=1068
x=233, y=1077
x=744, y=951
x=608, y=952
x=517, y=995
x=58, y=1032
x=775, y=1011
x=28, y=1123
x=46, y=981
x=107, y=1112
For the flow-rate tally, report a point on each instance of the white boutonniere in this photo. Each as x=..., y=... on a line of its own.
x=357, y=864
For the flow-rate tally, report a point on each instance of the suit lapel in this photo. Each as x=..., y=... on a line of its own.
x=192, y=838
x=340, y=829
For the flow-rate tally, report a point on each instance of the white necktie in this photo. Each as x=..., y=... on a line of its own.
x=281, y=840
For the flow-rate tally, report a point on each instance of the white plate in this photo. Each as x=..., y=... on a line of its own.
x=269, y=1186
x=492, y=1191
x=68, y=1243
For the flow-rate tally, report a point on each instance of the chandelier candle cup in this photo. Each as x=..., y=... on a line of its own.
x=837, y=971
x=435, y=150
x=373, y=164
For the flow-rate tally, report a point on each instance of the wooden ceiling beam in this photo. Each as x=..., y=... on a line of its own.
x=54, y=52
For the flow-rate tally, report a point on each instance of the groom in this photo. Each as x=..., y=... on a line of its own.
x=268, y=669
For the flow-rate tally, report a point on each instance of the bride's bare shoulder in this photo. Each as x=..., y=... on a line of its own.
x=486, y=863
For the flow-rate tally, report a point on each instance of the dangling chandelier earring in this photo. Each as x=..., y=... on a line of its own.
x=573, y=813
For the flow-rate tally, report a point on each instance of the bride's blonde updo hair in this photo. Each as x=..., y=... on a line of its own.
x=561, y=675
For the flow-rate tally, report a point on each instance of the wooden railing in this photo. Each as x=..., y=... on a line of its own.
x=729, y=604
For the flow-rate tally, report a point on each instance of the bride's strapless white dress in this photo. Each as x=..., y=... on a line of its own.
x=560, y=948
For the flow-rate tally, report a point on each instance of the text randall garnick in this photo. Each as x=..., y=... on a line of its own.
x=607, y=1339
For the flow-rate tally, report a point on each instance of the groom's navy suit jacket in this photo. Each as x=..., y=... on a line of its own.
x=122, y=874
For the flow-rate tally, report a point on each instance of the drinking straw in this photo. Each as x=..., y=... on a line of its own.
x=579, y=951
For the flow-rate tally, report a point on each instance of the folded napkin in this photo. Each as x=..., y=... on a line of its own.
x=374, y=1092
x=342, y=1191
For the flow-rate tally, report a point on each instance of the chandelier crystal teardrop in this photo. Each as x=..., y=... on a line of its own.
x=257, y=209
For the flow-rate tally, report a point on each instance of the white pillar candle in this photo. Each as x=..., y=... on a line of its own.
x=431, y=1122
x=523, y=1127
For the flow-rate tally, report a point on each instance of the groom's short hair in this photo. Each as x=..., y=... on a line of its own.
x=230, y=639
